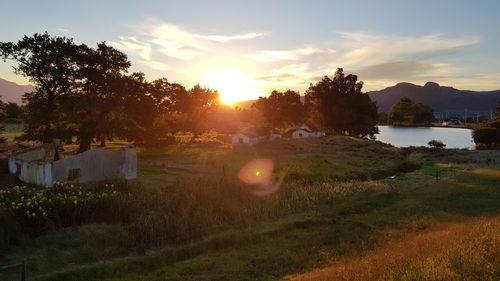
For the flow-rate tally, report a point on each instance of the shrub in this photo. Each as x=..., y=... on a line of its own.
x=486, y=135
x=436, y=144
x=410, y=162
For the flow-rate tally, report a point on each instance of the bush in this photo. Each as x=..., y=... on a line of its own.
x=436, y=144
x=411, y=162
x=486, y=135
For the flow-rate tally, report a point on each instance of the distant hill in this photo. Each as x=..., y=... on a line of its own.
x=440, y=98
x=12, y=92
x=244, y=104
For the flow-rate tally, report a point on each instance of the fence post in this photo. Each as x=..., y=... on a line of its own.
x=23, y=271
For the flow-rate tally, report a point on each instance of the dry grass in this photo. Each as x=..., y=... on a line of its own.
x=494, y=173
x=465, y=251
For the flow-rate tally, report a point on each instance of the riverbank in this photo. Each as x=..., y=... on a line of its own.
x=318, y=215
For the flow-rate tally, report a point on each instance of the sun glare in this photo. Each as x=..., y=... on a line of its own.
x=233, y=85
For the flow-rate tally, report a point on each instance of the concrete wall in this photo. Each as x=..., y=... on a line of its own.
x=92, y=165
x=36, y=172
x=98, y=165
x=32, y=154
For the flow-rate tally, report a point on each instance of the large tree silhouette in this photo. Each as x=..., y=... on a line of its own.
x=338, y=105
x=49, y=63
x=281, y=108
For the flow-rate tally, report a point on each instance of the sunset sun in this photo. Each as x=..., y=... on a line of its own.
x=233, y=85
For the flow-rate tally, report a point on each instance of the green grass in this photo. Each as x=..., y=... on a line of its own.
x=317, y=217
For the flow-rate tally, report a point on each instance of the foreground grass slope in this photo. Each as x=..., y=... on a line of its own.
x=207, y=227
x=415, y=203
x=460, y=251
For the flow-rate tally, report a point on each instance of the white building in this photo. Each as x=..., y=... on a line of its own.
x=251, y=136
x=42, y=166
x=245, y=138
x=307, y=131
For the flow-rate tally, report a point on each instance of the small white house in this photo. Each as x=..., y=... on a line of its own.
x=307, y=131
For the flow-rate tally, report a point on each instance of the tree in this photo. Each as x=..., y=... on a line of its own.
x=81, y=91
x=407, y=112
x=194, y=106
x=281, y=108
x=49, y=65
x=337, y=104
x=13, y=111
x=382, y=118
x=97, y=93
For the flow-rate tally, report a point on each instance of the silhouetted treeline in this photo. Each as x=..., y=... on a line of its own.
x=87, y=93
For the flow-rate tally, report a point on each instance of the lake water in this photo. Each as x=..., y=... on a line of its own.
x=420, y=136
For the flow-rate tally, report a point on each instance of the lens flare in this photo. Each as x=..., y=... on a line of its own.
x=257, y=172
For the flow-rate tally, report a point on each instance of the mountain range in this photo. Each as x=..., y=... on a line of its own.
x=441, y=98
x=12, y=92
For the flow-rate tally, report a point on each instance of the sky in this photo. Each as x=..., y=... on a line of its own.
x=249, y=48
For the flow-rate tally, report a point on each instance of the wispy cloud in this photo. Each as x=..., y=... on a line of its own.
x=376, y=59
x=132, y=45
x=174, y=41
x=286, y=55
x=225, y=39
x=62, y=30
x=404, y=70
x=363, y=49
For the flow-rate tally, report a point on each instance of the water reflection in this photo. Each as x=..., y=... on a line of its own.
x=420, y=136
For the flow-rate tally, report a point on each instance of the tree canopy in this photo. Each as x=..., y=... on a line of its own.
x=407, y=112
x=338, y=105
x=281, y=109
x=87, y=93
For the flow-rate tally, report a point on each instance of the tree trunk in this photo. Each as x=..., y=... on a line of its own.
x=102, y=140
x=84, y=138
x=47, y=133
x=85, y=143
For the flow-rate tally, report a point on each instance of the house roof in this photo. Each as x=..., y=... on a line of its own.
x=312, y=128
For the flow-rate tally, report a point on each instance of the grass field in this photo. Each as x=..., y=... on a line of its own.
x=344, y=208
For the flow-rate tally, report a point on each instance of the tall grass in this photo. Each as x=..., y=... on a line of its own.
x=32, y=211
x=195, y=209
x=465, y=251
x=186, y=212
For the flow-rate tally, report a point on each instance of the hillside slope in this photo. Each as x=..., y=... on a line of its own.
x=440, y=98
x=12, y=92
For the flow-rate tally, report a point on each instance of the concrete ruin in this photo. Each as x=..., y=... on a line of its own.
x=42, y=165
